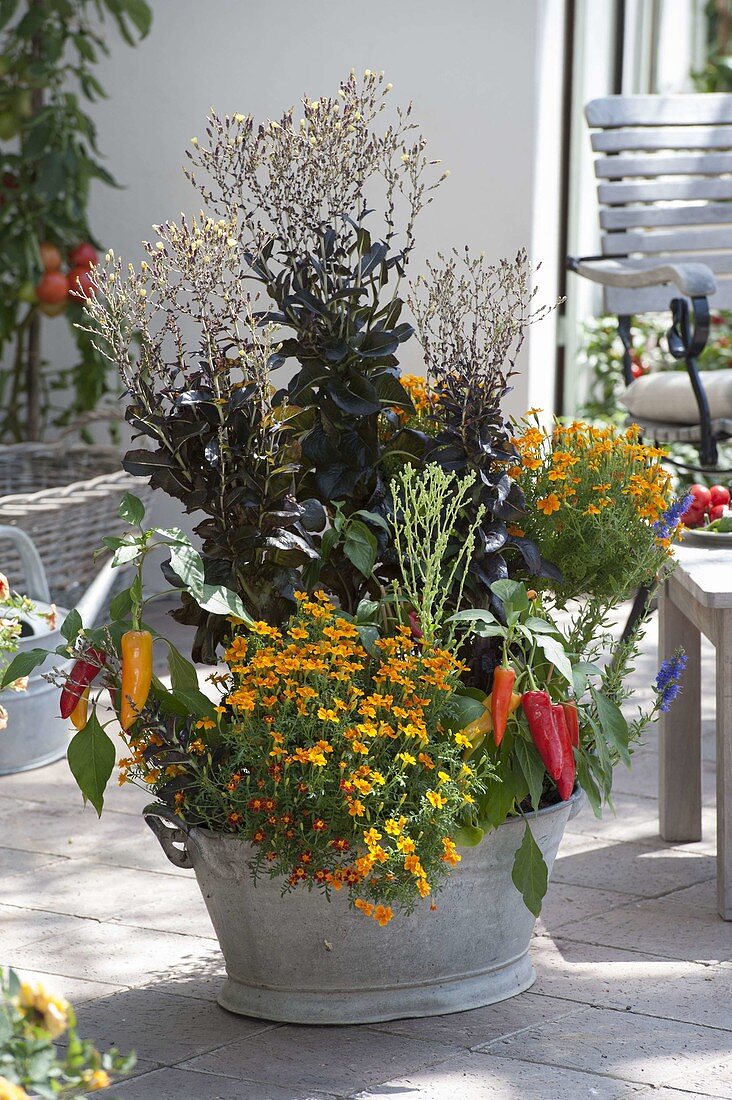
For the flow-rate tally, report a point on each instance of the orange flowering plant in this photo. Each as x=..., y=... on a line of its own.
x=339, y=765
x=595, y=502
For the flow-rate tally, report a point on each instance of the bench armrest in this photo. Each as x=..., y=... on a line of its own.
x=693, y=280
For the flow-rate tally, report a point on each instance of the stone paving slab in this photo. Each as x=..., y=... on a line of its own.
x=666, y=989
x=629, y=1047
x=630, y=868
x=487, y=1077
x=183, y=1084
x=333, y=1060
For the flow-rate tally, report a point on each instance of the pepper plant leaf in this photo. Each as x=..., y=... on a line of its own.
x=71, y=626
x=554, y=652
x=613, y=725
x=533, y=768
x=91, y=756
x=530, y=874
x=131, y=509
x=23, y=664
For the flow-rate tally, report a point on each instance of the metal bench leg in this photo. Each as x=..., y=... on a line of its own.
x=624, y=323
x=687, y=344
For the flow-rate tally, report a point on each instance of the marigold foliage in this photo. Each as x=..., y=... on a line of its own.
x=593, y=495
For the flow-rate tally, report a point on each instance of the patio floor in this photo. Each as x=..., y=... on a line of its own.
x=634, y=967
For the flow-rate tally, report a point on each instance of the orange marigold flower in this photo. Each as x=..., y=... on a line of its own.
x=549, y=504
x=383, y=914
x=365, y=907
x=436, y=799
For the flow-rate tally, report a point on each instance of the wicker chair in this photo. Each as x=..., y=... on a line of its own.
x=665, y=185
x=66, y=498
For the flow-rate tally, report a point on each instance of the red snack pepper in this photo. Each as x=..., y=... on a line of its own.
x=571, y=717
x=538, y=710
x=503, y=679
x=83, y=672
x=565, y=781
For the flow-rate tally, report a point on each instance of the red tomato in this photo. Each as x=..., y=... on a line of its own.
x=50, y=257
x=719, y=494
x=702, y=496
x=716, y=511
x=84, y=255
x=80, y=285
x=53, y=288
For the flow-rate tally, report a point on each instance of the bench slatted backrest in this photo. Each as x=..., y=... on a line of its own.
x=664, y=174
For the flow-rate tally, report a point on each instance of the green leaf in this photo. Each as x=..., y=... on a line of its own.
x=183, y=675
x=140, y=14
x=581, y=673
x=467, y=836
x=23, y=664
x=360, y=547
x=613, y=724
x=375, y=518
x=532, y=767
x=222, y=601
x=554, y=652
x=587, y=783
x=512, y=595
x=120, y=606
x=464, y=709
x=71, y=626
x=131, y=509
x=530, y=875
x=473, y=614
x=187, y=563
x=91, y=756
x=368, y=635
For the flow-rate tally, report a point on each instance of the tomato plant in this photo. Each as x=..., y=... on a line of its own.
x=48, y=158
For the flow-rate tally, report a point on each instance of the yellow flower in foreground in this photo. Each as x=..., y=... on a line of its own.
x=53, y=1010
x=549, y=504
x=383, y=914
x=435, y=799
x=406, y=758
x=96, y=1079
x=9, y=1091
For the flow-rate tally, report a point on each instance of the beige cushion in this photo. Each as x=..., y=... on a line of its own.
x=668, y=396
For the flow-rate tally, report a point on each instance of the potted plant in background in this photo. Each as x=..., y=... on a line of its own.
x=48, y=160
x=386, y=761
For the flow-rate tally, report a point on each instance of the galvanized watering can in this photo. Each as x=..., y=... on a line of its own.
x=35, y=735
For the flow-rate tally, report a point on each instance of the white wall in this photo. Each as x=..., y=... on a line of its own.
x=474, y=69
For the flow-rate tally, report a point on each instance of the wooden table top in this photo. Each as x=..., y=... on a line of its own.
x=705, y=574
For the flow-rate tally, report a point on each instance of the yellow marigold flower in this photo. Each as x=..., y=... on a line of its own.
x=549, y=504
x=443, y=777
x=371, y=837
x=327, y=715
x=406, y=758
x=298, y=633
x=356, y=808
x=264, y=630
x=423, y=887
x=378, y=778
x=54, y=1011
x=436, y=799
x=205, y=724
x=426, y=759
x=383, y=914
x=468, y=798
x=394, y=828
x=358, y=746
x=592, y=510
x=96, y=1079
x=365, y=906
x=405, y=844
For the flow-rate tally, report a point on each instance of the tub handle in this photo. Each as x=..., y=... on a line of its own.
x=171, y=833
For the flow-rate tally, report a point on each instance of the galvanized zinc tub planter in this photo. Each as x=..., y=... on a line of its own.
x=301, y=959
